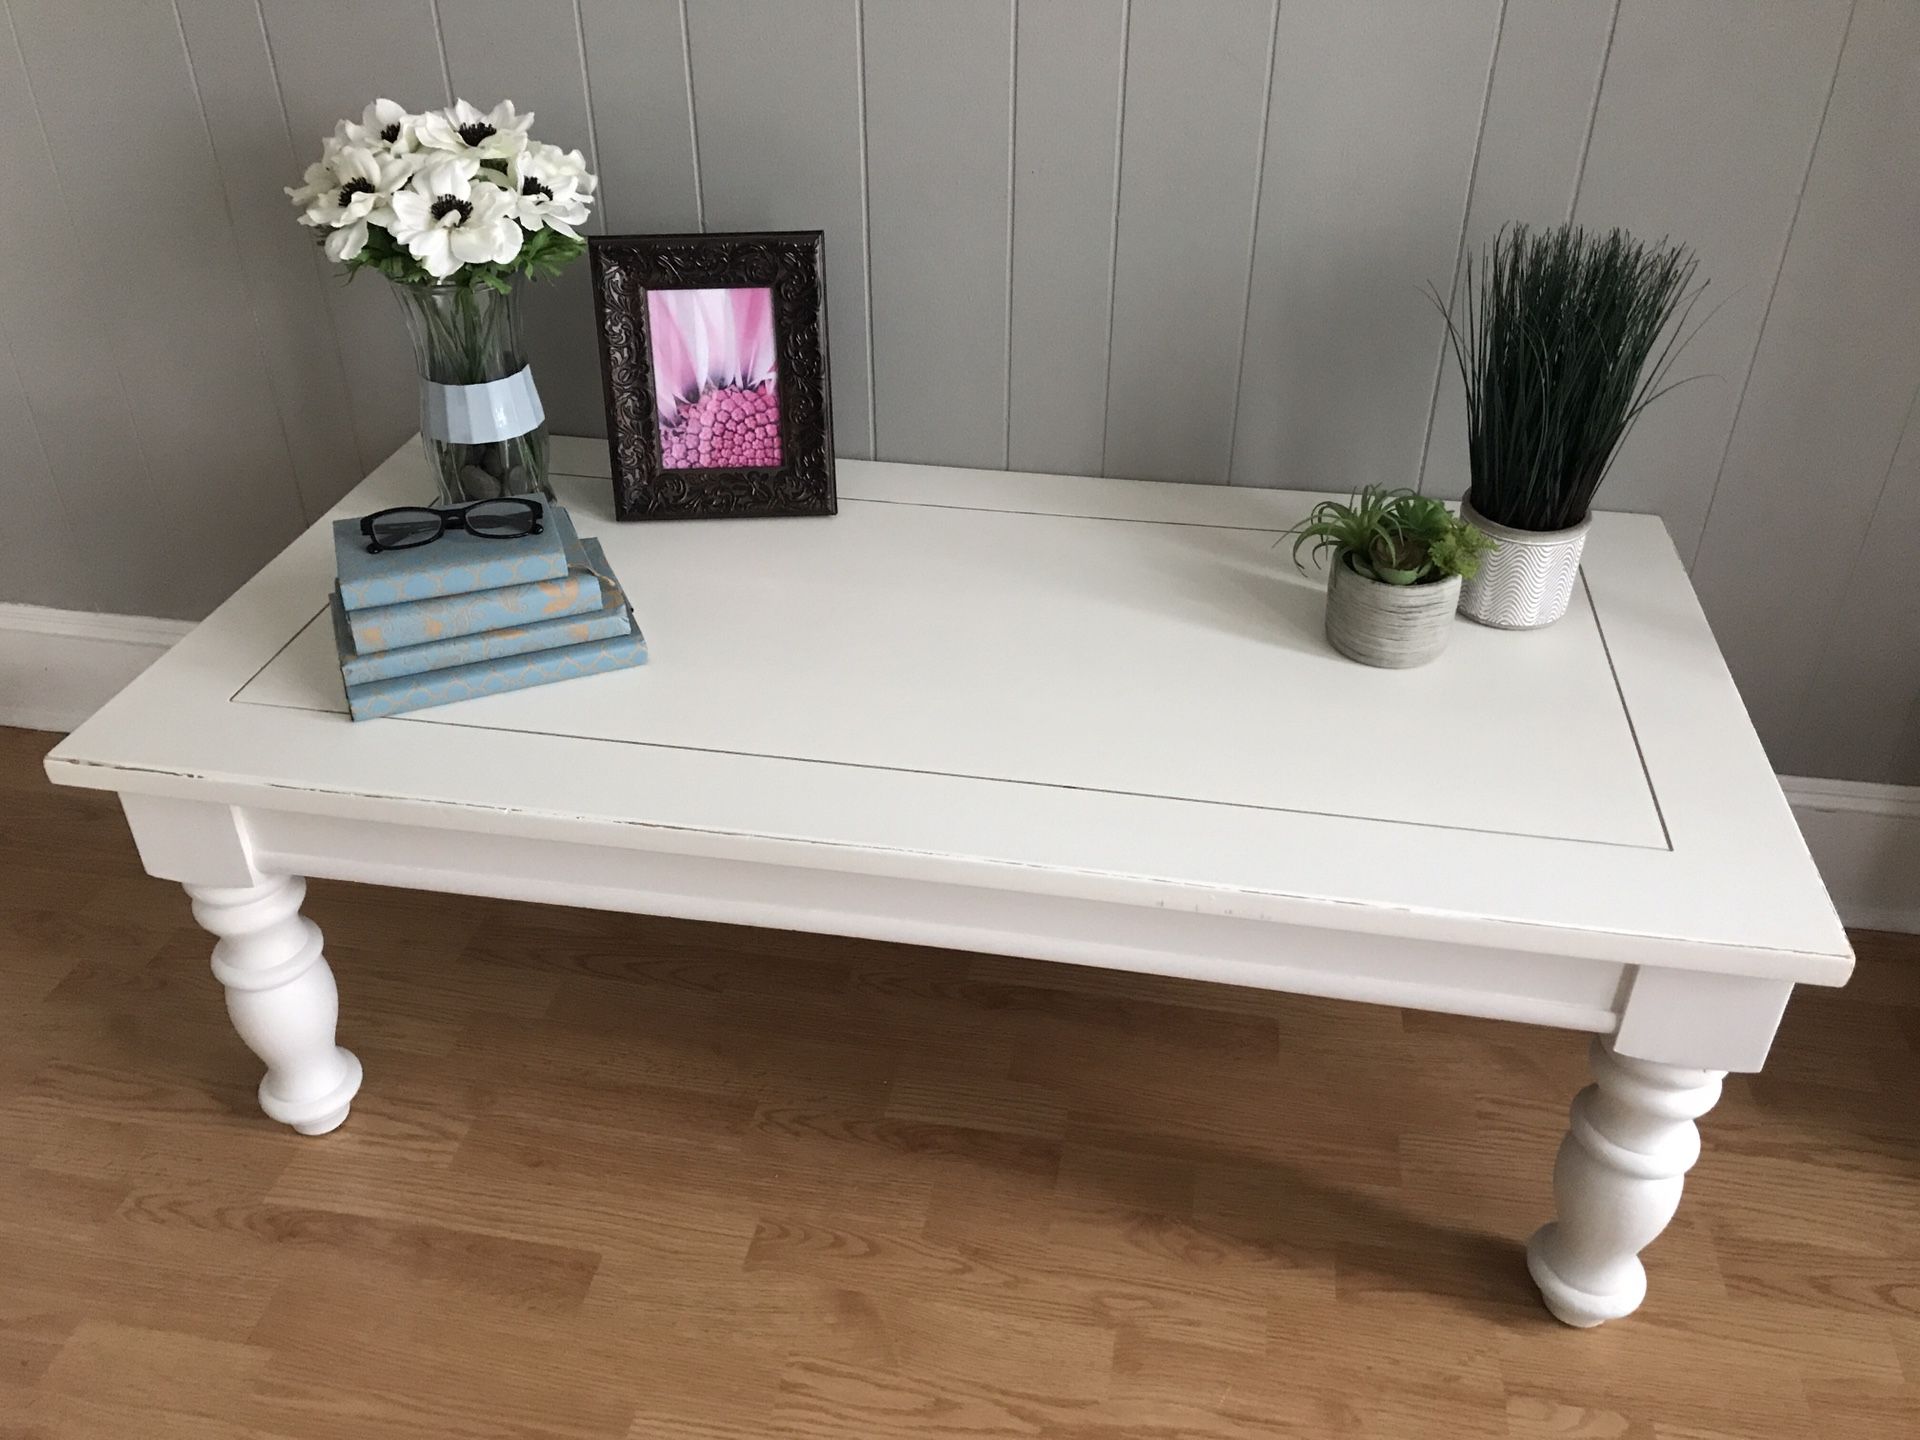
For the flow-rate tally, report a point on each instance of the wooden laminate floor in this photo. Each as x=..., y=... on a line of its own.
x=633, y=1178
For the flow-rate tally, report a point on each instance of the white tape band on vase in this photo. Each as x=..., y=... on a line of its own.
x=481, y=414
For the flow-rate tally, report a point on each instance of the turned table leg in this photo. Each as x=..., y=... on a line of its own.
x=1617, y=1183
x=281, y=996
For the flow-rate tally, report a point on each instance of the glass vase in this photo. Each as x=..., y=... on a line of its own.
x=481, y=421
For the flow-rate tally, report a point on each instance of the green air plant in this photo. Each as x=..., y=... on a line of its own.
x=1393, y=536
x=1565, y=336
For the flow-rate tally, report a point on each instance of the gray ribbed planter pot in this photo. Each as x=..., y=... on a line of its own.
x=1393, y=626
x=1528, y=581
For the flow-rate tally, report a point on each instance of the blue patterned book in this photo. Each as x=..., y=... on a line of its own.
x=402, y=693
x=455, y=564
x=603, y=624
x=448, y=617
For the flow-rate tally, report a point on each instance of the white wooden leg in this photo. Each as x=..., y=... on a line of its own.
x=281, y=996
x=1617, y=1183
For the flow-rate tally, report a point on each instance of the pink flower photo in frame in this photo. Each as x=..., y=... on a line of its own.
x=715, y=378
x=713, y=354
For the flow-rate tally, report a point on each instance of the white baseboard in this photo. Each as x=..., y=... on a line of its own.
x=58, y=666
x=1866, y=841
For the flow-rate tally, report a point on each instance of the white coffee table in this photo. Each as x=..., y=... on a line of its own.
x=1081, y=720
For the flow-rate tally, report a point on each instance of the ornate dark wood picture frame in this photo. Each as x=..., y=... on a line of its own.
x=741, y=422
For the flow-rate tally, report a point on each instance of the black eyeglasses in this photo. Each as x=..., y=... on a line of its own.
x=405, y=526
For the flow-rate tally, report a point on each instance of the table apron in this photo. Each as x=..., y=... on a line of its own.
x=1680, y=1017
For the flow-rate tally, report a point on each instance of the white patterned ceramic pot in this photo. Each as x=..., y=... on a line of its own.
x=1393, y=626
x=1528, y=581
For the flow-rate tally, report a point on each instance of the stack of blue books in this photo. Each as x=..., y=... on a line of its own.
x=466, y=616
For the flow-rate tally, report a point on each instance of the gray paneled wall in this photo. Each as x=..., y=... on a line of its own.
x=1175, y=239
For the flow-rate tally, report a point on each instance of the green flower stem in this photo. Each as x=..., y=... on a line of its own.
x=465, y=334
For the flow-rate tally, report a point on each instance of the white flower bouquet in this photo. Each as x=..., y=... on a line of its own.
x=454, y=206
x=455, y=195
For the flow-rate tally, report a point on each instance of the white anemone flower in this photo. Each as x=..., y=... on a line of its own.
x=498, y=134
x=346, y=243
x=551, y=188
x=358, y=191
x=384, y=127
x=318, y=179
x=322, y=175
x=448, y=215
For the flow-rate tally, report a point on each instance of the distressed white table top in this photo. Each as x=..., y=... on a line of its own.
x=1068, y=686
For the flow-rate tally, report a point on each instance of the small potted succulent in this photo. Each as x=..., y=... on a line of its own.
x=1565, y=335
x=1398, y=560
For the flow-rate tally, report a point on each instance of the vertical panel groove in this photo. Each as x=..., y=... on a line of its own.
x=1911, y=728
x=802, y=73
x=46, y=460
x=866, y=218
x=693, y=122
x=1801, y=708
x=1253, y=234
x=233, y=238
x=586, y=90
x=1593, y=111
x=1197, y=78
x=936, y=197
x=58, y=491
x=1373, y=128
x=1460, y=249
x=440, y=42
x=1743, y=100
x=1113, y=244
x=293, y=160
x=1773, y=290
x=66, y=207
x=1013, y=135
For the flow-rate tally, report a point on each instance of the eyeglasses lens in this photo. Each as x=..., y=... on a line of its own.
x=396, y=532
x=500, y=519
